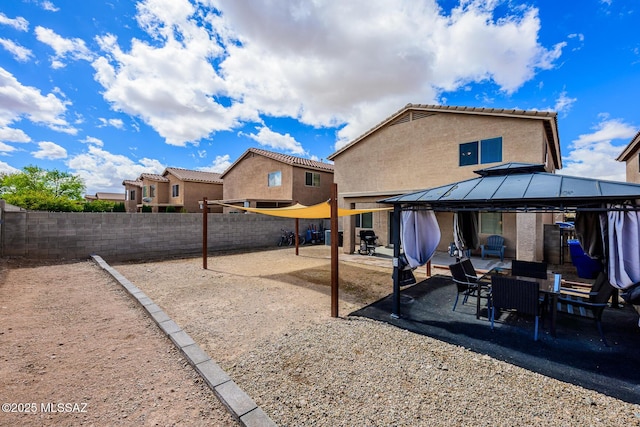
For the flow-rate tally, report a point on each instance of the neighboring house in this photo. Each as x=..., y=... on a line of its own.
x=109, y=197
x=264, y=179
x=181, y=189
x=425, y=146
x=631, y=156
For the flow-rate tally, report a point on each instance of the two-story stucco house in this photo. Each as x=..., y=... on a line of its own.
x=631, y=156
x=425, y=146
x=180, y=188
x=264, y=179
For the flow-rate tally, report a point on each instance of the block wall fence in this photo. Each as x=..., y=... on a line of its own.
x=135, y=236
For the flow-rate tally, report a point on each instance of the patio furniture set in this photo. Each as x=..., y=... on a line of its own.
x=530, y=289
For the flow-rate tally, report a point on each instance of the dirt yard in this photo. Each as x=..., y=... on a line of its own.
x=77, y=350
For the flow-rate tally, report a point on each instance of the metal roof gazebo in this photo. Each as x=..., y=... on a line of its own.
x=514, y=187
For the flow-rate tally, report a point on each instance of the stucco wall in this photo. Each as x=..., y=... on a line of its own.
x=425, y=152
x=248, y=179
x=134, y=236
x=633, y=168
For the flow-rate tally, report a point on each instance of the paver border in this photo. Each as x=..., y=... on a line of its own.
x=237, y=402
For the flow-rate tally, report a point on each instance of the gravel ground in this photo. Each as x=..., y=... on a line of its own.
x=264, y=317
x=356, y=371
x=304, y=368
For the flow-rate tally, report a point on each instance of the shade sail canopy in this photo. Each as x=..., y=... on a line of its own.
x=319, y=211
x=521, y=186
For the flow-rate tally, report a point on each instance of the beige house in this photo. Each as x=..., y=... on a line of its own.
x=424, y=146
x=182, y=189
x=631, y=156
x=264, y=179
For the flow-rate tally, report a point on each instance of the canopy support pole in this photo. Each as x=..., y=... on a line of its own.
x=205, y=209
x=297, y=232
x=334, y=250
x=395, y=237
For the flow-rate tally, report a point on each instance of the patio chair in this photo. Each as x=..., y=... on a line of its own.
x=588, y=304
x=494, y=246
x=533, y=269
x=467, y=282
x=512, y=294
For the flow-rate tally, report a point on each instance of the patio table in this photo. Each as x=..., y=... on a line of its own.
x=547, y=288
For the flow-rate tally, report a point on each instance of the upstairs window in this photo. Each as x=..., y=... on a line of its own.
x=275, y=179
x=152, y=191
x=312, y=179
x=144, y=191
x=484, y=151
x=469, y=154
x=175, y=190
x=132, y=194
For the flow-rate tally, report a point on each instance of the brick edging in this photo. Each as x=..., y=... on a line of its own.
x=237, y=402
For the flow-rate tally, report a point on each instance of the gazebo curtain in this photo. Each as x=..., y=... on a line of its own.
x=420, y=235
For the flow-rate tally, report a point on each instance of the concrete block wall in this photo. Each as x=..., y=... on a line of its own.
x=136, y=236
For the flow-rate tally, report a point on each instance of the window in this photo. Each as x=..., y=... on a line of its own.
x=275, y=179
x=312, y=179
x=469, y=154
x=175, y=190
x=364, y=220
x=490, y=151
x=152, y=191
x=132, y=194
x=491, y=222
x=144, y=191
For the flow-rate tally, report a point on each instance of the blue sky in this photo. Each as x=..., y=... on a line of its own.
x=109, y=90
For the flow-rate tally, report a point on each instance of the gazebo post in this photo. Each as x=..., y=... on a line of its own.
x=395, y=236
x=205, y=210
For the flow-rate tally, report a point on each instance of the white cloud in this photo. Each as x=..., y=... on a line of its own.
x=6, y=168
x=74, y=49
x=92, y=140
x=20, y=53
x=6, y=148
x=116, y=123
x=18, y=101
x=103, y=170
x=268, y=138
x=18, y=23
x=219, y=165
x=323, y=63
x=594, y=155
x=13, y=135
x=564, y=103
x=50, y=151
x=48, y=5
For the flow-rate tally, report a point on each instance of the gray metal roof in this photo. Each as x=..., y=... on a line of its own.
x=521, y=186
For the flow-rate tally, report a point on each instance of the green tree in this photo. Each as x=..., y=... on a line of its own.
x=38, y=189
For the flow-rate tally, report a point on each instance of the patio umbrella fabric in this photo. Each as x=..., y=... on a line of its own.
x=420, y=235
x=321, y=210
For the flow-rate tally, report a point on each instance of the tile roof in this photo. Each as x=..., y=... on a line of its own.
x=194, y=176
x=153, y=177
x=135, y=183
x=285, y=158
x=110, y=196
